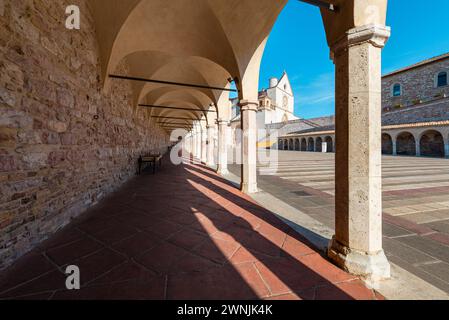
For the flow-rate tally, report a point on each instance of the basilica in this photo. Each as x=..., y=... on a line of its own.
x=276, y=105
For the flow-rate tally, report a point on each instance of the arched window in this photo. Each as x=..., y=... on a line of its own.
x=397, y=90
x=442, y=79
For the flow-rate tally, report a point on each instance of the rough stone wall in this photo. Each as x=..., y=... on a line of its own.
x=418, y=84
x=426, y=112
x=63, y=143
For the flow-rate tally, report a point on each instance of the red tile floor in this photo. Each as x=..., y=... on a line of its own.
x=184, y=233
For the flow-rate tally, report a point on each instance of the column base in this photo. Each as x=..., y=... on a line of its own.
x=249, y=188
x=222, y=172
x=372, y=268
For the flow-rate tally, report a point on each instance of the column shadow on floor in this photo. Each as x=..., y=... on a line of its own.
x=184, y=233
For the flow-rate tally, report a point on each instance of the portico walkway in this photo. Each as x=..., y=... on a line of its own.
x=183, y=233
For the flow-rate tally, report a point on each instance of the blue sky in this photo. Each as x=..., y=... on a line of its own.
x=298, y=45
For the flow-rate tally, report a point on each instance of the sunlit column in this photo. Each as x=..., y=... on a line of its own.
x=210, y=161
x=249, y=146
x=357, y=244
x=203, y=146
x=222, y=147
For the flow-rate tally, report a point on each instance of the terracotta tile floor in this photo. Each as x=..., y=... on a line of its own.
x=184, y=233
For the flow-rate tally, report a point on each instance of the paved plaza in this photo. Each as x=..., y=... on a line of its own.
x=415, y=202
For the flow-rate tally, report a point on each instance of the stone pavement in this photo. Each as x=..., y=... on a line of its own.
x=184, y=233
x=415, y=201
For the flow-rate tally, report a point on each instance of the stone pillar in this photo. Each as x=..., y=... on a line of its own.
x=198, y=144
x=418, y=147
x=249, y=146
x=203, y=147
x=357, y=244
x=446, y=150
x=395, y=148
x=193, y=143
x=210, y=161
x=222, y=148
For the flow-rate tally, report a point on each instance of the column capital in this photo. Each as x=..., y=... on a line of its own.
x=376, y=35
x=247, y=105
x=222, y=122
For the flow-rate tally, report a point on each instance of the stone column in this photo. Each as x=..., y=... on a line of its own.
x=210, y=161
x=198, y=144
x=357, y=244
x=193, y=144
x=395, y=148
x=446, y=150
x=203, y=147
x=222, y=148
x=418, y=147
x=249, y=146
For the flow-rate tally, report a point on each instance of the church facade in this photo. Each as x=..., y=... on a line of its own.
x=276, y=105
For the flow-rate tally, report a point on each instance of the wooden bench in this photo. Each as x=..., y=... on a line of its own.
x=153, y=160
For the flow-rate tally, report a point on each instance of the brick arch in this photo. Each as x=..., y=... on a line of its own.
x=387, y=144
x=431, y=144
x=406, y=144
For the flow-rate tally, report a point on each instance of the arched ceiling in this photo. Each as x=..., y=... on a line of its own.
x=188, y=41
x=203, y=42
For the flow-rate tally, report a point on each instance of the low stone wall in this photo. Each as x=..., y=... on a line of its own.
x=64, y=144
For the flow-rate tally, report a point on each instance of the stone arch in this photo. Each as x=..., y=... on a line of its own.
x=303, y=144
x=387, y=144
x=297, y=145
x=291, y=146
x=285, y=144
x=311, y=145
x=406, y=144
x=431, y=144
x=330, y=144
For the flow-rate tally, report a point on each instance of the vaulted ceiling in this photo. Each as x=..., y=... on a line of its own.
x=202, y=42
